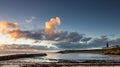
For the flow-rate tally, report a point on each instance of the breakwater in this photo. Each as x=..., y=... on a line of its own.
x=16, y=56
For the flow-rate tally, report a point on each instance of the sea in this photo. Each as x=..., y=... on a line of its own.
x=52, y=56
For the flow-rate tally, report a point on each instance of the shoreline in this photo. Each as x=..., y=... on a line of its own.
x=60, y=62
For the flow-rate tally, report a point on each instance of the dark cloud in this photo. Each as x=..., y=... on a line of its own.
x=58, y=36
x=99, y=42
x=94, y=43
x=35, y=35
x=69, y=45
x=69, y=40
x=68, y=36
x=73, y=37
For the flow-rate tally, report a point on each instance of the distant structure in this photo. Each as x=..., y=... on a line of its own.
x=107, y=45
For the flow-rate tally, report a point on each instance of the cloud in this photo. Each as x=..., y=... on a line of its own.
x=94, y=43
x=62, y=36
x=50, y=26
x=112, y=35
x=12, y=29
x=63, y=39
x=35, y=35
x=114, y=41
x=86, y=39
x=69, y=45
x=6, y=26
x=48, y=33
x=25, y=46
x=73, y=37
x=99, y=42
x=30, y=20
x=16, y=34
x=70, y=40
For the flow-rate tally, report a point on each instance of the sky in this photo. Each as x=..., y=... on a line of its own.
x=89, y=19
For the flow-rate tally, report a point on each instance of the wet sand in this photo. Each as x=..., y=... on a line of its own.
x=23, y=64
x=60, y=63
x=88, y=63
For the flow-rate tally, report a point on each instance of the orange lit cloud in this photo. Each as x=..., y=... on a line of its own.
x=5, y=26
x=51, y=25
x=12, y=29
x=16, y=34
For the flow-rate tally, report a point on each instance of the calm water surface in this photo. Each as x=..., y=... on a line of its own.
x=71, y=56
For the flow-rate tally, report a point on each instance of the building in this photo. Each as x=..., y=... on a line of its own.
x=107, y=45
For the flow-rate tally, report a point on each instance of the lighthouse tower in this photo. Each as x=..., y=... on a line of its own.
x=107, y=45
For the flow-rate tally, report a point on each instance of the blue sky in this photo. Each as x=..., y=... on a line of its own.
x=90, y=17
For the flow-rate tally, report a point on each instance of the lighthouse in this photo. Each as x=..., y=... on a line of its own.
x=107, y=45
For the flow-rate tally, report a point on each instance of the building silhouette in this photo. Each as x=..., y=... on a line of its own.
x=107, y=45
